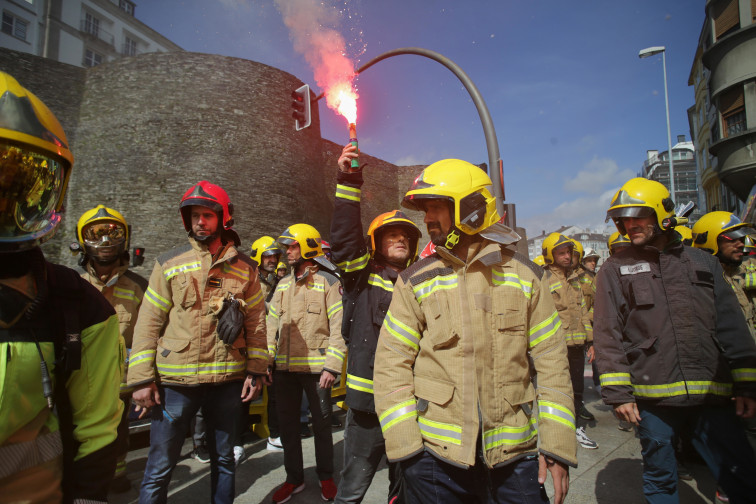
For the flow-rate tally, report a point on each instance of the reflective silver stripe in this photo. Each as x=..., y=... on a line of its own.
x=744, y=374
x=17, y=457
x=557, y=412
x=512, y=280
x=258, y=353
x=317, y=287
x=200, y=369
x=377, y=281
x=608, y=379
x=272, y=312
x=544, y=330
x=157, y=300
x=401, y=331
x=354, y=264
x=310, y=361
x=227, y=268
x=192, y=266
x=509, y=435
x=254, y=300
x=442, y=431
x=358, y=383
x=333, y=352
x=145, y=356
x=425, y=289
x=348, y=193
x=125, y=294
x=682, y=388
x=402, y=411
x=334, y=309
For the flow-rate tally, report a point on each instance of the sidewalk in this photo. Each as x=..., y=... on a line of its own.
x=609, y=475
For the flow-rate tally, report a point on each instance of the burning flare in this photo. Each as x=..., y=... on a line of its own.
x=342, y=98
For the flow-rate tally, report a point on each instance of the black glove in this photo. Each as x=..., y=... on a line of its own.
x=230, y=321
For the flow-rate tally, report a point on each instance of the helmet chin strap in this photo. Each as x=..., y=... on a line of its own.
x=205, y=239
x=452, y=238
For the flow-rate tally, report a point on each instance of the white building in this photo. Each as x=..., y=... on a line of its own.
x=83, y=33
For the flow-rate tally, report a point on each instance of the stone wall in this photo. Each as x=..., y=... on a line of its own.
x=144, y=129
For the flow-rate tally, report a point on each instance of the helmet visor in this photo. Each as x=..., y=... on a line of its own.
x=737, y=234
x=31, y=185
x=631, y=211
x=104, y=233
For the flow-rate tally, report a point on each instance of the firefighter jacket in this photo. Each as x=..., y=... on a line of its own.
x=570, y=302
x=669, y=330
x=304, y=323
x=124, y=290
x=268, y=282
x=80, y=435
x=367, y=291
x=735, y=276
x=455, y=358
x=749, y=275
x=588, y=286
x=175, y=339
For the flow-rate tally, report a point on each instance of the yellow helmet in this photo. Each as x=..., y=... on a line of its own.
x=714, y=224
x=103, y=233
x=395, y=218
x=553, y=241
x=281, y=266
x=539, y=261
x=578, y=249
x=686, y=234
x=308, y=238
x=468, y=190
x=641, y=197
x=264, y=246
x=617, y=240
x=35, y=165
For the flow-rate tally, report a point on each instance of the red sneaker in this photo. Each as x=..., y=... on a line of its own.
x=328, y=489
x=284, y=493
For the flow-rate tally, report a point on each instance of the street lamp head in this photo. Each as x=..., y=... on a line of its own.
x=650, y=51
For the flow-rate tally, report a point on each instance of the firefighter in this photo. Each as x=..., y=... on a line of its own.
x=267, y=254
x=673, y=347
x=368, y=274
x=590, y=260
x=282, y=270
x=686, y=235
x=465, y=328
x=103, y=240
x=567, y=290
x=539, y=261
x=199, y=343
x=62, y=354
x=304, y=338
x=723, y=235
x=616, y=242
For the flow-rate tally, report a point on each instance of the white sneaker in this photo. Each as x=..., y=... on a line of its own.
x=274, y=444
x=239, y=455
x=583, y=439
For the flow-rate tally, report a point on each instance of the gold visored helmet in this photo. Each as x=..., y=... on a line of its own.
x=686, y=234
x=103, y=233
x=640, y=198
x=394, y=218
x=715, y=224
x=553, y=241
x=264, y=246
x=35, y=165
x=617, y=240
x=468, y=190
x=308, y=238
x=539, y=261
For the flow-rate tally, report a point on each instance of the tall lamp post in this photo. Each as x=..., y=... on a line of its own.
x=645, y=53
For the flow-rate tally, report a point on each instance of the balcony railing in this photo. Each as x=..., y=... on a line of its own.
x=95, y=31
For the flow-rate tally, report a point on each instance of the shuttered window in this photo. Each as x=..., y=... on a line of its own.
x=732, y=108
x=726, y=17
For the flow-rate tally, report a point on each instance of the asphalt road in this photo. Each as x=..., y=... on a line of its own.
x=610, y=474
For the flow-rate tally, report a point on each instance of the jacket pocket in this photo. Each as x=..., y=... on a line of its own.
x=642, y=290
x=519, y=399
x=168, y=345
x=441, y=331
x=187, y=293
x=644, y=348
x=433, y=390
x=510, y=323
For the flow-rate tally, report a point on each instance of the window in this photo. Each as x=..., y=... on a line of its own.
x=14, y=26
x=726, y=17
x=91, y=58
x=126, y=6
x=129, y=47
x=91, y=24
x=732, y=108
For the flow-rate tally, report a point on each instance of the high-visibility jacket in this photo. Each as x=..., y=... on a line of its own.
x=268, y=282
x=175, y=337
x=305, y=314
x=587, y=280
x=30, y=432
x=735, y=276
x=368, y=287
x=749, y=275
x=455, y=357
x=124, y=290
x=567, y=292
x=669, y=331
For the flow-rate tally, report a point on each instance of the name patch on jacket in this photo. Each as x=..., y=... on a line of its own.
x=215, y=282
x=643, y=267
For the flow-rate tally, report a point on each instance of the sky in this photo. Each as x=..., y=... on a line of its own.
x=574, y=108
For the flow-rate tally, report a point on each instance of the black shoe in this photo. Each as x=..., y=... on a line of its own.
x=335, y=422
x=585, y=414
x=121, y=484
x=305, y=431
x=201, y=455
x=682, y=472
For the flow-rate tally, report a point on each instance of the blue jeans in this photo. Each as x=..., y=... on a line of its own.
x=428, y=479
x=170, y=422
x=716, y=434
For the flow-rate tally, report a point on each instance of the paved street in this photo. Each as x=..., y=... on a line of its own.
x=609, y=475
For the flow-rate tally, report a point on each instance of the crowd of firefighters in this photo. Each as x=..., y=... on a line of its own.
x=464, y=368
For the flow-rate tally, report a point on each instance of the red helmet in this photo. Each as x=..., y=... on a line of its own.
x=208, y=195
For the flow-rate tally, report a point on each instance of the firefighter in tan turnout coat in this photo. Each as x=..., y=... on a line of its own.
x=465, y=329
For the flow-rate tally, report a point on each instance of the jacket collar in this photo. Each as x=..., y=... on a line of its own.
x=111, y=280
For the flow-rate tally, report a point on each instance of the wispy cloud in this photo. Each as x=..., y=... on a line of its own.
x=597, y=174
x=586, y=211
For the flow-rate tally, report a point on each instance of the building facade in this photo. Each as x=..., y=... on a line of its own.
x=83, y=33
x=595, y=239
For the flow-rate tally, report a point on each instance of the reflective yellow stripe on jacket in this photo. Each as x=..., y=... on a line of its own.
x=359, y=383
x=403, y=411
x=510, y=435
x=348, y=193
